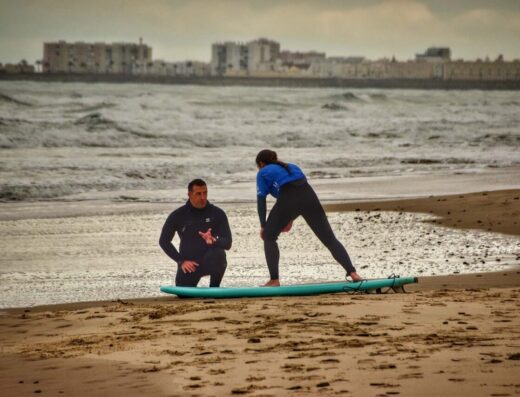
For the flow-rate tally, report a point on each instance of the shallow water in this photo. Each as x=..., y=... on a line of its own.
x=73, y=259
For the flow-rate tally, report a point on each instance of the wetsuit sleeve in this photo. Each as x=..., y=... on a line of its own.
x=262, y=209
x=165, y=241
x=223, y=232
x=262, y=190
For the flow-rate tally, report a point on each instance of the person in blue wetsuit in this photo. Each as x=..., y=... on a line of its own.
x=294, y=197
x=204, y=236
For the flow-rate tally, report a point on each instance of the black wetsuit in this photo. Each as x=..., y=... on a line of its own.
x=188, y=221
x=297, y=198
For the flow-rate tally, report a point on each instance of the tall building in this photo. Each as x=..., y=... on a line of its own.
x=229, y=58
x=80, y=57
x=235, y=59
x=262, y=54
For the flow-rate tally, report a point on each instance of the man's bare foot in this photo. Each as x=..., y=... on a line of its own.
x=355, y=277
x=272, y=283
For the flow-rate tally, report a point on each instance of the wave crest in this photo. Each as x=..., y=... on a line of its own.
x=9, y=99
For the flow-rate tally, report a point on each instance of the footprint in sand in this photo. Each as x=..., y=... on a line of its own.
x=384, y=385
x=385, y=366
x=413, y=375
x=329, y=361
x=323, y=384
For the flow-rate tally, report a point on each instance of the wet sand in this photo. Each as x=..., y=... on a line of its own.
x=455, y=335
x=495, y=211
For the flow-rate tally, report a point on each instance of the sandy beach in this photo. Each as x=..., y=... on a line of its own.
x=456, y=334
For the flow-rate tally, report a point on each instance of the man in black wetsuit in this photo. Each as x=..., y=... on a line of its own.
x=204, y=233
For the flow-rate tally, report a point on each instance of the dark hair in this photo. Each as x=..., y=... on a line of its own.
x=270, y=157
x=196, y=182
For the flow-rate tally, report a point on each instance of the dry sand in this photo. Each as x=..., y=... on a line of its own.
x=449, y=335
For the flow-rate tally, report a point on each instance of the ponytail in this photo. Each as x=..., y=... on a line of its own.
x=270, y=157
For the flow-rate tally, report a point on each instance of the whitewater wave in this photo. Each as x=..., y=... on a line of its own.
x=7, y=122
x=378, y=97
x=437, y=161
x=346, y=97
x=81, y=108
x=11, y=100
x=95, y=121
x=33, y=192
x=334, y=106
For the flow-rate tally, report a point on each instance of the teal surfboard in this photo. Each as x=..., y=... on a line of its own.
x=288, y=290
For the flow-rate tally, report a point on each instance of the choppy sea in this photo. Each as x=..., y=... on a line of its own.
x=76, y=142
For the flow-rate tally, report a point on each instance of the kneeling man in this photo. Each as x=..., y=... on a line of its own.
x=204, y=235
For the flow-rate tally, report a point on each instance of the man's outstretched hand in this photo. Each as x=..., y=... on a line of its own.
x=208, y=237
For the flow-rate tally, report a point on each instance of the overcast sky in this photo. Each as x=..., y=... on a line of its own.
x=185, y=29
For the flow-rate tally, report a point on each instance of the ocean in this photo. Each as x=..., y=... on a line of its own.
x=77, y=140
x=77, y=144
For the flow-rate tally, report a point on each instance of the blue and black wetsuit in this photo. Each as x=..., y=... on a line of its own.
x=294, y=197
x=188, y=221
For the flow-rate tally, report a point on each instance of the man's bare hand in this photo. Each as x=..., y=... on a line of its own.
x=189, y=266
x=208, y=237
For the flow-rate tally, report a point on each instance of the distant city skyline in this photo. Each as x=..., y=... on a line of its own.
x=185, y=29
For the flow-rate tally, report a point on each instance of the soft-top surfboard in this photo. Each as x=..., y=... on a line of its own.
x=288, y=290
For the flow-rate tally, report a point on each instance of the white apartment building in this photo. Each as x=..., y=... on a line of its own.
x=238, y=59
x=229, y=58
x=262, y=55
x=81, y=57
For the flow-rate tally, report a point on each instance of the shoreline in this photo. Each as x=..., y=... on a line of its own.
x=496, y=279
x=490, y=210
x=288, y=82
x=347, y=192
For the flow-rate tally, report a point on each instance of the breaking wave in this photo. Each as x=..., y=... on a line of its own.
x=334, y=106
x=92, y=108
x=347, y=97
x=9, y=99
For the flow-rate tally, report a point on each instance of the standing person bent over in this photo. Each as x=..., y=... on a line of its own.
x=204, y=235
x=294, y=197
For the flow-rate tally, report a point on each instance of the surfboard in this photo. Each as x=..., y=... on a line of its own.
x=288, y=290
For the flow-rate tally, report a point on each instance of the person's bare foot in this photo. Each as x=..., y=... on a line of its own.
x=355, y=277
x=272, y=283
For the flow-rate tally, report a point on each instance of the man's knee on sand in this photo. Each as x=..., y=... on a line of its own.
x=214, y=262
